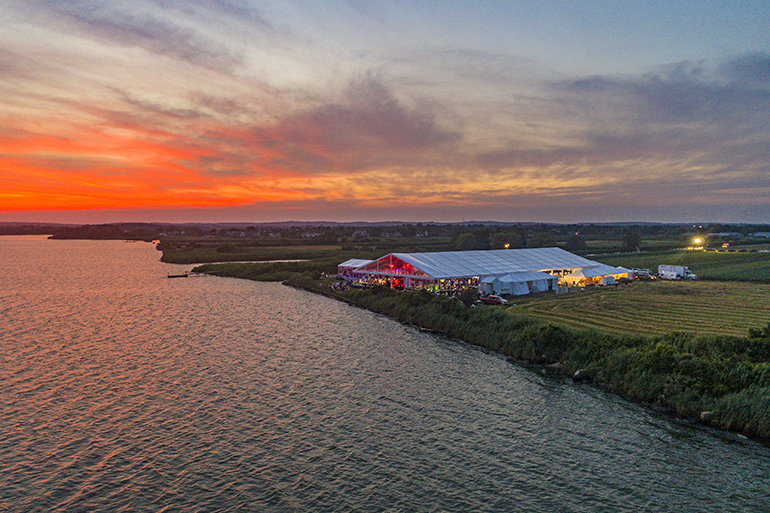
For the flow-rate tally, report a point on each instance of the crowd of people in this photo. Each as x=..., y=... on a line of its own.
x=339, y=286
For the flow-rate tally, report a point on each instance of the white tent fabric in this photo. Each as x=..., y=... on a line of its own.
x=354, y=263
x=596, y=271
x=465, y=264
x=519, y=288
x=506, y=285
x=518, y=283
x=600, y=270
x=490, y=285
x=347, y=268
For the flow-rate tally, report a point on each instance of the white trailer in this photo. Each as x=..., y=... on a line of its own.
x=607, y=280
x=675, y=272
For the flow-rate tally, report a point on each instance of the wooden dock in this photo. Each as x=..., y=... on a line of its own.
x=186, y=274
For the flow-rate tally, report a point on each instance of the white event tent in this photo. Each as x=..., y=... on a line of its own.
x=537, y=268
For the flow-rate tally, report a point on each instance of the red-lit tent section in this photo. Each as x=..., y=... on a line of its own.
x=395, y=271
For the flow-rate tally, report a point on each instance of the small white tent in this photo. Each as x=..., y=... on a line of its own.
x=509, y=285
x=519, y=288
x=490, y=285
x=539, y=285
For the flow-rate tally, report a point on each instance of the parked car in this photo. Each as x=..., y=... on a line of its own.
x=643, y=274
x=493, y=300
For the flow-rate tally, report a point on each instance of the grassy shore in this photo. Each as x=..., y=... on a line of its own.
x=272, y=271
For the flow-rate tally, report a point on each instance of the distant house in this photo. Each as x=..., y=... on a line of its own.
x=309, y=235
x=275, y=235
x=360, y=234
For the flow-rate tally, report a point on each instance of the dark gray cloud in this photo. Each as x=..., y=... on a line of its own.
x=684, y=92
x=131, y=25
x=216, y=8
x=678, y=113
x=752, y=70
x=372, y=114
x=368, y=126
x=162, y=38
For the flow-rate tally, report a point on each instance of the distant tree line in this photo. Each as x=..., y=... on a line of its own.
x=516, y=237
x=26, y=229
x=423, y=236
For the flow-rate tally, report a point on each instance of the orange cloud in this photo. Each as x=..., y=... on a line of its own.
x=115, y=168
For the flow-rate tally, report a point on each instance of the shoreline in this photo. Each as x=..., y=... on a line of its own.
x=318, y=292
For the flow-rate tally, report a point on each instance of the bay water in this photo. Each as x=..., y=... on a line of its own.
x=122, y=390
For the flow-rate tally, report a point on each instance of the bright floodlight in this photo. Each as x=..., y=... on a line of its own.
x=697, y=241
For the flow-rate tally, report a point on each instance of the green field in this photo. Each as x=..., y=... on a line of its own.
x=189, y=254
x=196, y=251
x=656, y=308
x=708, y=265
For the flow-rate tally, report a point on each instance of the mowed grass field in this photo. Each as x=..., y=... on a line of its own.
x=660, y=307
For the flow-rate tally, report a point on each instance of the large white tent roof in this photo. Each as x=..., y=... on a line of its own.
x=462, y=264
x=524, y=277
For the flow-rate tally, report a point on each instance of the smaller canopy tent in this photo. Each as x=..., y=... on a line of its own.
x=538, y=281
x=595, y=273
x=346, y=268
x=513, y=284
x=490, y=285
x=544, y=284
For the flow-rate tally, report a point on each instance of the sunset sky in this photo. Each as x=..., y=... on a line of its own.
x=253, y=111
